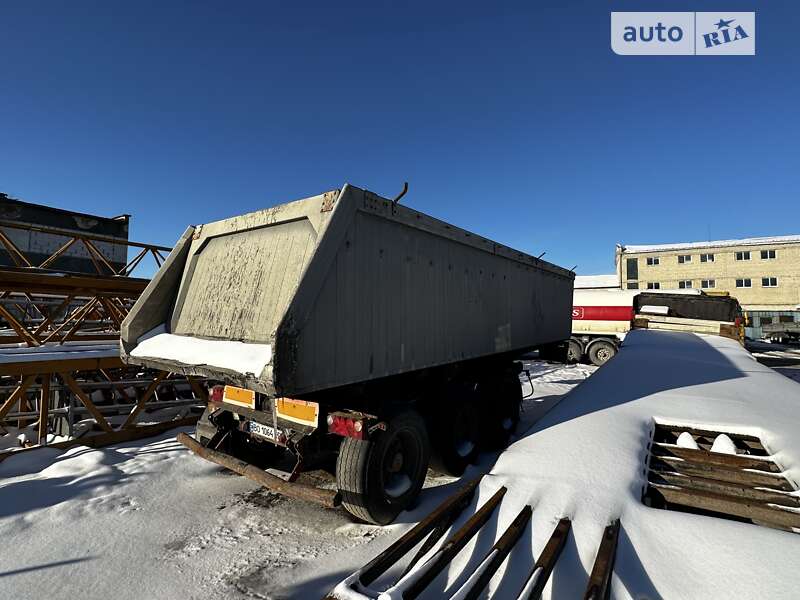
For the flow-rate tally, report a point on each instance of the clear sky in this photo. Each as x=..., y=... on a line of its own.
x=512, y=120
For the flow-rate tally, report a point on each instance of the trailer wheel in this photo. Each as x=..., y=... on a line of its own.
x=574, y=351
x=380, y=477
x=601, y=352
x=502, y=399
x=456, y=430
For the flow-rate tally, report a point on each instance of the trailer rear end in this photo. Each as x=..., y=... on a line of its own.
x=351, y=331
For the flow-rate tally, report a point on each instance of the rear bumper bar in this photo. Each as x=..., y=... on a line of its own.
x=327, y=498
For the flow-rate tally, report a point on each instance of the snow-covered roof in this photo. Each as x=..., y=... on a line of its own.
x=755, y=241
x=596, y=281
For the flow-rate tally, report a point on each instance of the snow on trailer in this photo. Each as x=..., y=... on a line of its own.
x=347, y=328
x=671, y=473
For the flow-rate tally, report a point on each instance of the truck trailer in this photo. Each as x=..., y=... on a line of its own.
x=601, y=318
x=352, y=334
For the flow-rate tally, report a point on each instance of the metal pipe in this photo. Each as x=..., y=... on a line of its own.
x=327, y=498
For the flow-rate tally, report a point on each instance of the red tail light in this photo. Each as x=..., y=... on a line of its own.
x=215, y=394
x=343, y=426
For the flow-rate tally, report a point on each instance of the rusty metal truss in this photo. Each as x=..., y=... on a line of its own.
x=41, y=304
x=59, y=342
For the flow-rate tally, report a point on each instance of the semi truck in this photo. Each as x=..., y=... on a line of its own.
x=352, y=334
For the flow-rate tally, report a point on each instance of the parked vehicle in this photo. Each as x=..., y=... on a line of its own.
x=782, y=332
x=348, y=329
x=602, y=318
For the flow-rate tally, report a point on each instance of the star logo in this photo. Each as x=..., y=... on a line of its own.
x=722, y=23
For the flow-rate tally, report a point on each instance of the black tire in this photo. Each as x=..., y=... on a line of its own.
x=380, y=477
x=574, y=351
x=601, y=352
x=456, y=429
x=500, y=401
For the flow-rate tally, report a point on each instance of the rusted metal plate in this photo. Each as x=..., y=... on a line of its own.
x=747, y=509
x=725, y=489
x=741, y=476
x=703, y=457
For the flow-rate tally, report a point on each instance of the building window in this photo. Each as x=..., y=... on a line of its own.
x=743, y=255
x=632, y=268
x=769, y=282
x=785, y=319
x=708, y=283
x=653, y=285
x=706, y=258
x=633, y=286
x=684, y=258
x=766, y=320
x=652, y=261
x=767, y=254
x=685, y=285
x=744, y=283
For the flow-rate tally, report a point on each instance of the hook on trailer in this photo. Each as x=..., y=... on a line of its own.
x=401, y=194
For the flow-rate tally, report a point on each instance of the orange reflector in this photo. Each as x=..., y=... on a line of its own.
x=239, y=396
x=298, y=411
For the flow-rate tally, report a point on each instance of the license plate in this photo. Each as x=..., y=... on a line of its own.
x=260, y=430
x=239, y=396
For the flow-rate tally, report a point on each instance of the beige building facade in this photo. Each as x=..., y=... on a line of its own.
x=762, y=273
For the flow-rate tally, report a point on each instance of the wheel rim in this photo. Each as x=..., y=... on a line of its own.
x=603, y=354
x=400, y=464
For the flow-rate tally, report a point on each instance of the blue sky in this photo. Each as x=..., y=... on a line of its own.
x=512, y=120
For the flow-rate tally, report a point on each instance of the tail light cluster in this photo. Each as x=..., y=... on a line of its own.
x=215, y=393
x=346, y=426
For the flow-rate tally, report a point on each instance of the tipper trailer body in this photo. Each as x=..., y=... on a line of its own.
x=348, y=325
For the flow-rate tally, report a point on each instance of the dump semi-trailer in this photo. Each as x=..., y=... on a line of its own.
x=351, y=331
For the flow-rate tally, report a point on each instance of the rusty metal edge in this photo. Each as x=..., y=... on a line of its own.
x=326, y=498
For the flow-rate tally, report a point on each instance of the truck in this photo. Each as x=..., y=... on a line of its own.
x=602, y=317
x=352, y=334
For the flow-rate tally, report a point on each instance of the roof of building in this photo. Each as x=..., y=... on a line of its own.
x=584, y=282
x=755, y=241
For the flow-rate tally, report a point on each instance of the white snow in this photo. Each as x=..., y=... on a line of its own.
x=723, y=444
x=685, y=440
x=52, y=352
x=147, y=519
x=597, y=281
x=649, y=309
x=586, y=458
x=230, y=355
x=755, y=241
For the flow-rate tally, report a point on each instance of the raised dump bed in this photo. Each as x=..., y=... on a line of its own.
x=375, y=319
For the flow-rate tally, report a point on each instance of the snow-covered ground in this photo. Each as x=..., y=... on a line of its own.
x=147, y=519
